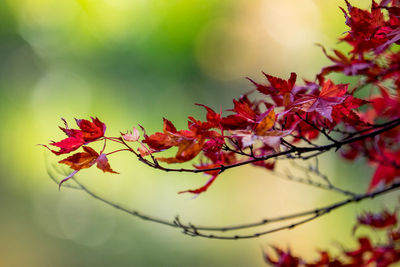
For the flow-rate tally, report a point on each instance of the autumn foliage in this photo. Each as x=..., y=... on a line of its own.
x=288, y=118
x=367, y=253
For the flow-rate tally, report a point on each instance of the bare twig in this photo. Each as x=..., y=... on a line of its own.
x=194, y=230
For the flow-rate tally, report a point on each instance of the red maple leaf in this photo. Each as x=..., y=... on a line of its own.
x=277, y=85
x=89, y=132
x=213, y=118
x=331, y=95
x=67, y=145
x=380, y=220
x=356, y=255
x=204, y=187
x=387, y=171
x=284, y=259
x=386, y=105
x=344, y=112
x=244, y=109
x=248, y=115
x=214, y=174
x=368, y=30
x=349, y=65
x=160, y=141
x=223, y=159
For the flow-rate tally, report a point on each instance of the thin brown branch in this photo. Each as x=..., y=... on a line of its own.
x=312, y=214
x=317, y=128
x=328, y=186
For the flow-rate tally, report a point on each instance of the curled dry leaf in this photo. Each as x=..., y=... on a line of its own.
x=131, y=136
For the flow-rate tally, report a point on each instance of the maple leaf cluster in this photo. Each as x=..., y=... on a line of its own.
x=259, y=129
x=368, y=252
x=89, y=131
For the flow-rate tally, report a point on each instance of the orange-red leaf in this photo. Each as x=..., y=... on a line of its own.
x=85, y=160
x=81, y=160
x=188, y=149
x=201, y=189
x=266, y=123
x=168, y=126
x=166, y=139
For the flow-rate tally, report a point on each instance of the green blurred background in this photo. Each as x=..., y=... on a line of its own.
x=136, y=61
